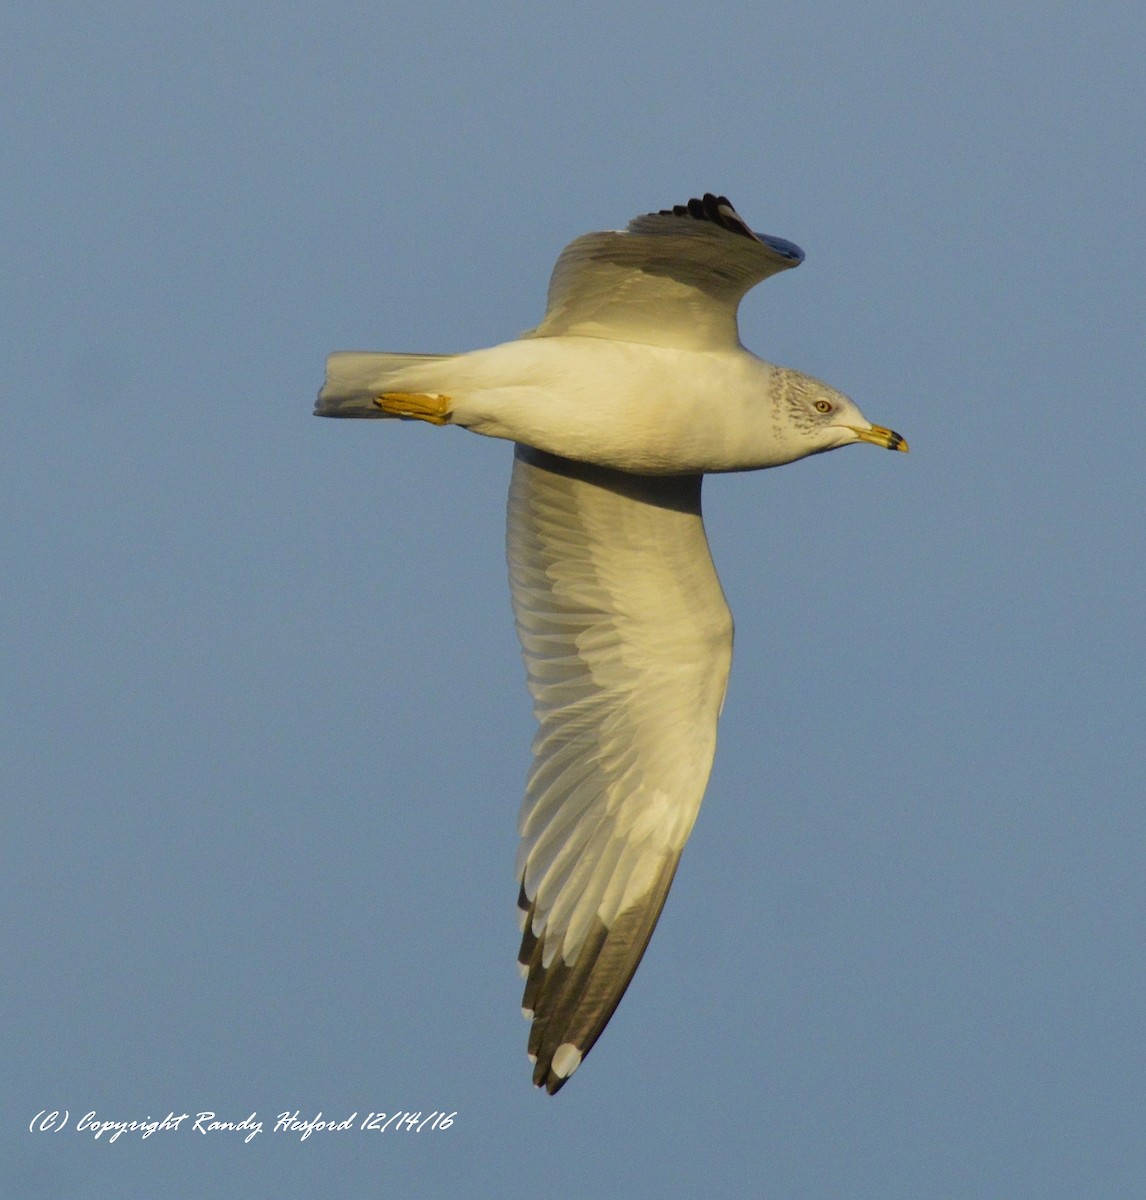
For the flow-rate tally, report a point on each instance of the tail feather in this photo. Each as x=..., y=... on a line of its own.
x=355, y=379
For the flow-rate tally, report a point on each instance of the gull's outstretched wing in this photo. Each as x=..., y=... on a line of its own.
x=627, y=641
x=673, y=278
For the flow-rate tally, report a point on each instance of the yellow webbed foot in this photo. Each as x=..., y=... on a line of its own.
x=416, y=405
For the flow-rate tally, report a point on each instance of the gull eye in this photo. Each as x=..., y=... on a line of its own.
x=823, y=406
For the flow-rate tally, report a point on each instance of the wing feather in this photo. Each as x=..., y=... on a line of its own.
x=673, y=278
x=627, y=642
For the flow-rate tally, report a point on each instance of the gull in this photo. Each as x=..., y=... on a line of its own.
x=632, y=388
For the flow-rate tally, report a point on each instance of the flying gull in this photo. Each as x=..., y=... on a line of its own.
x=632, y=388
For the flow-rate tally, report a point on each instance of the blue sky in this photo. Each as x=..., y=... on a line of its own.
x=265, y=727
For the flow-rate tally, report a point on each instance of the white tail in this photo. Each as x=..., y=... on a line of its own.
x=354, y=380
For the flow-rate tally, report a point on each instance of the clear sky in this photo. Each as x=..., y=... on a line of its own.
x=264, y=724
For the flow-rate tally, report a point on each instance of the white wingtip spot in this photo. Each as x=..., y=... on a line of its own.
x=523, y=970
x=527, y=1013
x=566, y=1060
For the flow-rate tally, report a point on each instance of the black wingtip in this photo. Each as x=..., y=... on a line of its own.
x=554, y=1083
x=716, y=209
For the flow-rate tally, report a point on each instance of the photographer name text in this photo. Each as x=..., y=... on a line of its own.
x=293, y=1124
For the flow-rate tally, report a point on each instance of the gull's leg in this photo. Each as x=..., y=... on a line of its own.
x=417, y=405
